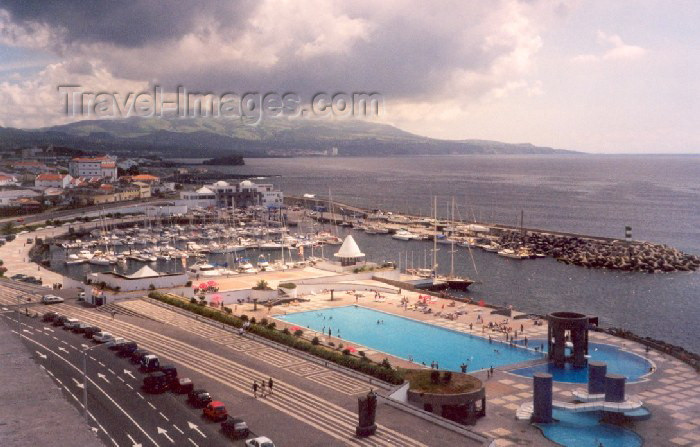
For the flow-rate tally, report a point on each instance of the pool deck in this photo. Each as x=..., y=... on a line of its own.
x=671, y=392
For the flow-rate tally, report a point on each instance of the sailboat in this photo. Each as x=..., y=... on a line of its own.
x=453, y=281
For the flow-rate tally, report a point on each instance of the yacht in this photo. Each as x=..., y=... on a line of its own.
x=404, y=235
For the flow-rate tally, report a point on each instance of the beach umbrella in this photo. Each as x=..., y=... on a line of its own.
x=211, y=283
x=482, y=303
x=351, y=349
x=203, y=286
x=294, y=328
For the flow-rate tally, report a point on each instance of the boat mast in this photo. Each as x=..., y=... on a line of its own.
x=452, y=243
x=435, y=237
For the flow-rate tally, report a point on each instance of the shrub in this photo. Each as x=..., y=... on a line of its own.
x=188, y=284
x=262, y=285
x=263, y=321
x=315, y=341
x=298, y=332
x=346, y=351
x=272, y=325
x=362, y=354
x=386, y=364
x=244, y=317
x=330, y=343
x=151, y=287
x=447, y=377
x=285, y=331
x=288, y=285
x=340, y=346
x=252, y=320
x=228, y=310
x=435, y=376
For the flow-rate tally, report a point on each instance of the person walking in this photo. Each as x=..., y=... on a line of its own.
x=255, y=389
x=262, y=388
x=270, y=383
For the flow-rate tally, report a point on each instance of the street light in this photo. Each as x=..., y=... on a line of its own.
x=85, y=381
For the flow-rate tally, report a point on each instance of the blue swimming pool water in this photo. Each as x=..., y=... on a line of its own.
x=404, y=337
x=619, y=362
x=585, y=430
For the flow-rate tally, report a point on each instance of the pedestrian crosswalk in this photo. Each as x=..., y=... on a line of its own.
x=259, y=351
x=324, y=415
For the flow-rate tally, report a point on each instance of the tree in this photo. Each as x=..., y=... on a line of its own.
x=8, y=228
x=262, y=285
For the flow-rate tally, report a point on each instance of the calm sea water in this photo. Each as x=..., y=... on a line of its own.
x=659, y=196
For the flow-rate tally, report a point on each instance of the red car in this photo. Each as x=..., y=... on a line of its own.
x=216, y=411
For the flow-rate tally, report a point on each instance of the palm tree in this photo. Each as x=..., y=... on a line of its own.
x=8, y=228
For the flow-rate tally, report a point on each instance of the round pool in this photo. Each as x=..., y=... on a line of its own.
x=586, y=430
x=618, y=360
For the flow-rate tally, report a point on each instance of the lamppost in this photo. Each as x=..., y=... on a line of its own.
x=85, y=382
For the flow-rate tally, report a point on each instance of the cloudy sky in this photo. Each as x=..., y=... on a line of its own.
x=598, y=76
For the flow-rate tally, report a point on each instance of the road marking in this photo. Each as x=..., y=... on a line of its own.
x=54, y=337
x=48, y=329
x=164, y=432
x=130, y=387
x=101, y=364
x=108, y=369
x=140, y=395
x=84, y=345
x=193, y=443
x=195, y=428
x=61, y=348
x=163, y=416
x=120, y=378
x=129, y=373
x=64, y=342
x=133, y=441
x=77, y=383
x=151, y=405
x=97, y=386
x=92, y=358
x=27, y=331
x=43, y=356
x=103, y=377
x=178, y=429
x=91, y=415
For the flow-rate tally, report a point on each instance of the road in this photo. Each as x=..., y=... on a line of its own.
x=120, y=412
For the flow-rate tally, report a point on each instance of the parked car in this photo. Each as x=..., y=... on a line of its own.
x=149, y=363
x=115, y=342
x=51, y=299
x=91, y=331
x=18, y=276
x=70, y=323
x=60, y=321
x=215, y=411
x=80, y=328
x=137, y=355
x=81, y=296
x=49, y=317
x=156, y=383
x=183, y=386
x=199, y=398
x=102, y=337
x=235, y=428
x=260, y=441
x=126, y=349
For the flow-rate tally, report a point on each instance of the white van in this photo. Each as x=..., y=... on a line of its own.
x=102, y=337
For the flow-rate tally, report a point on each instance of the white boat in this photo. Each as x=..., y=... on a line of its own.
x=404, y=235
x=247, y=267
x=99, y=260
x=74, y=259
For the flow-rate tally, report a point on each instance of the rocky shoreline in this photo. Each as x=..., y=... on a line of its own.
x=610, y=254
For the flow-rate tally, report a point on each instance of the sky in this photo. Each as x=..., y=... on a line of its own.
x=598, y=76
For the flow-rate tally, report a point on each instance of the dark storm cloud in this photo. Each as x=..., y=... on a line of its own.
x=128, y=23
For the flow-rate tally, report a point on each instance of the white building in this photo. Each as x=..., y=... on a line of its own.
x=103, y=167
x=201, y=198
x=51, y=180
x=7, y=180
x=246, y=194
x=143, y=279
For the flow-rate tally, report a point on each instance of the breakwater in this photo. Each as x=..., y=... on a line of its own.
x=613, y=254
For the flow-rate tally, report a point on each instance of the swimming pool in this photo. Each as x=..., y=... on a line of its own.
x=403, y=337
x=619, y=362
x=586, y=430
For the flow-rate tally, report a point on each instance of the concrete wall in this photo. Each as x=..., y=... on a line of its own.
x=128, y=285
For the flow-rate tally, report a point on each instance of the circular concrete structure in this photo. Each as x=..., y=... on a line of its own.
x=563, y=327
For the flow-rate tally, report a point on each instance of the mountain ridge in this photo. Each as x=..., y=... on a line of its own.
x=279, y=137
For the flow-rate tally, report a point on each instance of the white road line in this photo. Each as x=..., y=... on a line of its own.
x=108, y=369
x=193, y=443
x=140, y=395
x=120, y=378
x=130, y=387
x=151, y=405
x=91, y=416
x=178, y=429
x=100, y=389
x=164, y=416
x=101, y=364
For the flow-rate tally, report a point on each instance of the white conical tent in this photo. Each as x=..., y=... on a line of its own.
x=145, y=272
x=349, y=250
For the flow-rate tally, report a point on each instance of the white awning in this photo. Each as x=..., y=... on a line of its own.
x=349, y=249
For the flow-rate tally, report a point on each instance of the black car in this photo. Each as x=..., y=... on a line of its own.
x=80, y=328
x=171, y=373
x=137, y=355
x=126, y=349
x=18, y=277
x=49, y=317
x=92, y=330
x=183, y=386
x=235, y=428
x=60, y=320
x=156, y=383
x=199, y=398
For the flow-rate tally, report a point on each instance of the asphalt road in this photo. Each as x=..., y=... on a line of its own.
x=120, y=412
